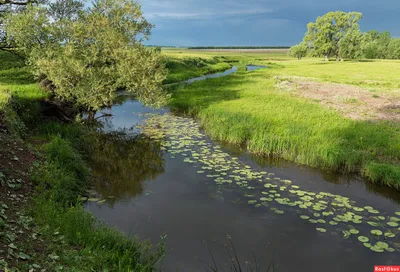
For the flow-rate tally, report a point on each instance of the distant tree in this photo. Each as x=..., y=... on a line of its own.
x=383, y=43
x=393, y=50
x=350, y=44
x=374, y=44
x=298, y=51
x=89, y=58
x=326, y=33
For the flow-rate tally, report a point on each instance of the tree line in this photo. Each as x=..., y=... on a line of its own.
x=338, y=35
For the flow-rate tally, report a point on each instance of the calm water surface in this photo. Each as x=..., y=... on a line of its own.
x=151, y=191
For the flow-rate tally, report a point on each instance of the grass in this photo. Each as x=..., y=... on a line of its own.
x=19, y=94
x=181, y=69
x=246, y=108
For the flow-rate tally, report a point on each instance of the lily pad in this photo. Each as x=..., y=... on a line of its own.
x=374, y=224
x=389, y=234
x=376, y=232
x=363, y=239
x=321, y=230
x=305, y=217
x=382, y=245
x=354, y=231
x=377, y=249
x=368, y=245
x=373, y=211
x=392, y=224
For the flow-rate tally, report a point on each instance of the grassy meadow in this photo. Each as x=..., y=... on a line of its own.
x=247, y=108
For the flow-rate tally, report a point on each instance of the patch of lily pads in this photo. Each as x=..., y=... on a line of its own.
x=182, y=136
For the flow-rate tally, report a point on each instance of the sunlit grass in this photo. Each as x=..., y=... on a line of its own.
x=246, y=108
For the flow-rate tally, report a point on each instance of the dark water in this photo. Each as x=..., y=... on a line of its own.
x=152, y=190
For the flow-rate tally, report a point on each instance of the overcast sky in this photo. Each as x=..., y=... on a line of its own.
x=255, y=22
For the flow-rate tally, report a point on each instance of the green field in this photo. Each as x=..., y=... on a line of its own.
x=247, y=108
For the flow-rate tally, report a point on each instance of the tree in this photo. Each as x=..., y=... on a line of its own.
x=65, y=9
x=393, y=50
x=325, y=34
x=91, y=57
x=12, y=6
x=374, y=44
x=350, y=44
x=298, y=51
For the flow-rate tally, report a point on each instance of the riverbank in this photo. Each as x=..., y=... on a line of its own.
x=43, y=176
x=250, y=109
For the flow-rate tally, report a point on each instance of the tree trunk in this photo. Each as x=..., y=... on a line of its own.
x=91, y=115
x=326, y=58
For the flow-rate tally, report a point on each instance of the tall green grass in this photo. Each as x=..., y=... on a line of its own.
x=246, y=109
x=181, y=69
x=19, y=95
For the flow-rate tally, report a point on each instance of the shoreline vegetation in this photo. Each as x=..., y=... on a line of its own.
x=249, y=108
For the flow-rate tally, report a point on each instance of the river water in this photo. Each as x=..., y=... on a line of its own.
x=159, y=174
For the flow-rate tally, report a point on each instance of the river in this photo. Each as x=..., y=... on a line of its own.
x=159, y=174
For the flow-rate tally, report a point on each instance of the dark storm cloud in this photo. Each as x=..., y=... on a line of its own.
x=255, y=22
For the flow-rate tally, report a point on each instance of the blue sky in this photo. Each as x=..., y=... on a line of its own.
x=255, y=22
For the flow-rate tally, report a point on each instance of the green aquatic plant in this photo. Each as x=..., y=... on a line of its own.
x=182, y=136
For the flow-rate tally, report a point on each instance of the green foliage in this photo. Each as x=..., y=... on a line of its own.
x=384, y=173
x=337, y=34
x=298, y=51
x=89, y=58
x=65, y=9
x=64, y=175
x=394, y=49
x=18, y=96
x=190, y=67
x=325, y=34
x=349, y=45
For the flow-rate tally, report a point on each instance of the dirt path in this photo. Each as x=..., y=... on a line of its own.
x=20, y=242
x=352, y=101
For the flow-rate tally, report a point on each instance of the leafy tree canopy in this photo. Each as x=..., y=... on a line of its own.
x=325, y=34
x=88, y=55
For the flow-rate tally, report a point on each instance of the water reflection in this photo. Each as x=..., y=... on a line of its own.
x=120, y=164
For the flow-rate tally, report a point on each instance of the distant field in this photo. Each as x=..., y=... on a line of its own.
x=233, y=54
x=283, y=51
